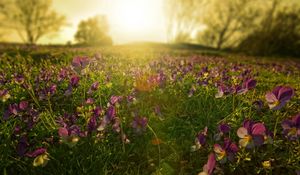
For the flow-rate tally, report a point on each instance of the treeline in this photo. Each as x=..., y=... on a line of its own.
x=260, y=27
x=33, y=19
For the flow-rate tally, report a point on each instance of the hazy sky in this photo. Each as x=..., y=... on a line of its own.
x=130, y=20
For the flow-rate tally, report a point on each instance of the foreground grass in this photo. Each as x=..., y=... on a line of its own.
x=164, y=145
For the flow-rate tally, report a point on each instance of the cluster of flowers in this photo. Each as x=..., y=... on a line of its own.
x=251, y=134
x=70, y=128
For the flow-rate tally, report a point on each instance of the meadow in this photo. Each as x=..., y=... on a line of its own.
x=126, y=110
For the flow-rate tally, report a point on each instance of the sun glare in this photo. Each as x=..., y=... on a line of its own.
x=136, y=17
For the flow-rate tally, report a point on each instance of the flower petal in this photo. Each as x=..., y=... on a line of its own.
x=258, y=129
x=242, y=132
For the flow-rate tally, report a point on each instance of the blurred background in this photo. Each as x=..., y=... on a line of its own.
x=258, y=27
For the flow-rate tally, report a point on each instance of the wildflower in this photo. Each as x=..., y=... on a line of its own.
x=93, y=87
x=115, y=99
x=41, y=160
x=291, y=127
x=74, y=81
x=247, y=85
x=80, y=62
x=89, y=101
x=223, y=128
x=200, y=140
x=266, y=164
x=279, y=96
x=4, y=95
x=41, y=157
x=139, y=124
x=209, y=167
x=228, y=151
x=251, y=134
x=23, y=105
x=192, y=91
x=258, y=104
x=222, y=90
x=69, y=136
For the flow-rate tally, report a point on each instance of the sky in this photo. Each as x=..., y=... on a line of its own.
x=130, y=20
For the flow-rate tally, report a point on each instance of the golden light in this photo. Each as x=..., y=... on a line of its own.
x=136, y=18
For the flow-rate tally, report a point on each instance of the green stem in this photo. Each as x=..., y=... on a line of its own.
x=158, y=146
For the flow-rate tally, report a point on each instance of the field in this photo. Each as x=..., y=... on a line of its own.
x=126, y=110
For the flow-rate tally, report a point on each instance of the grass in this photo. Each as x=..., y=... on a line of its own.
x=165, y=145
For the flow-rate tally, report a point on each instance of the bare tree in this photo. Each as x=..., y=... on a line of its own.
x=32, y=19
x=225, y=20
x=182, y=18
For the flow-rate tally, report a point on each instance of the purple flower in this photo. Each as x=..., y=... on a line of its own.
x=115, y=99
x=108, y=118
x=80, y=62
x=279, y=96
x=13, y=109
x=222, y=90
x=23, y=105
x=291, y=127
x=258, y=104
x=139, y=124
x=209, y=167
x=69, y=135
x=74, y=81
x=89, y=101
x=247, y=85
x=93, y=87
x=224, y=128
x=36, y=152
x=4, y=95
x=227, y=151
x=251, y=134
x=19, y=79
x=92, y=124
x=200, y=140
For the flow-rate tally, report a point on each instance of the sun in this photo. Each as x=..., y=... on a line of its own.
x=135, y=16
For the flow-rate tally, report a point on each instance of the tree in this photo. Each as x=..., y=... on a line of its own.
x=226, y=20
x=182, y=18
x=32, y=19
x=278, y=32
x=93, y=31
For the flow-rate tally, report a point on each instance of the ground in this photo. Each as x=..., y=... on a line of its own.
x=144, y=110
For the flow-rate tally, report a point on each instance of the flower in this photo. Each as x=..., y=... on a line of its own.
x=139, y=124
x=251, y=134
x=200, y=140
x=36, y=152
x=115, y=99
x=41, y=157
x=4, y=95
x=279, y=96
x=209, y=167
x=41, y=160
x=223, y=128
x=70, y=135
x=23, y=105
x=266, y=164
x=80, y=62
x=222, y=90
x=74, y=81
x=93, y=87
x=291, y=127
x=228, y=151
x=89, y=101
x=247, y=85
